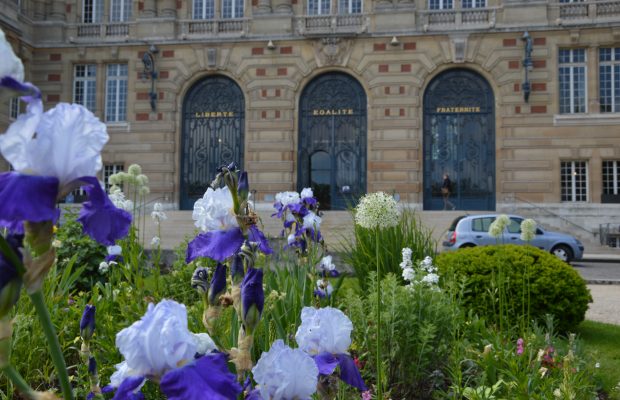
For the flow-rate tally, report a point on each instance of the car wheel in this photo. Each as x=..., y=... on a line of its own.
x=466, y=245
x=562, y=252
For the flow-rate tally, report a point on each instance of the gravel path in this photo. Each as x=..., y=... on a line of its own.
x=606, y=305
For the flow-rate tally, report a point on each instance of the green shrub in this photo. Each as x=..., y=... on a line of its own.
x=516, y=284
x=87, y=252
x=417, y=331
x=361, y=254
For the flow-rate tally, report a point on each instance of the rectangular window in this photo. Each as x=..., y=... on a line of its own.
x=572, y=76
x=111, y=169
x=440, y=4
x=319, y=7
x=609, y=79
x=232, y=8
x=481, y=224
x=611, y=177
x=571, y=1
x=120, y=10
x=92, y=11
x=350, y=7
x=204, y=9
x=85, y=85
x=14, y=108
x=574, y=181
x=474, y=3
x=116, y=93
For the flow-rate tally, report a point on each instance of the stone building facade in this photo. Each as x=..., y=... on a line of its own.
x=517, y=100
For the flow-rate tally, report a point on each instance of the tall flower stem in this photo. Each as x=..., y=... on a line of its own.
x=379, y=366
x=52, y=341
x=18, y=381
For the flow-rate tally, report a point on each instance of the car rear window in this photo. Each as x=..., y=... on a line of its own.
x=481, y=224
x=452, y=227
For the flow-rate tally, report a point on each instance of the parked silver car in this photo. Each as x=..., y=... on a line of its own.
x=473, y=230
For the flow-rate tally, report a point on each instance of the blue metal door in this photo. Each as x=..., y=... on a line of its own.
x=459, y=140
x=332, y=140
x=212, y=134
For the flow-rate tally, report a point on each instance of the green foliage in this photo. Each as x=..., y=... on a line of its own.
x=417, y=328
x=516, y=284
x=602, y=345
x=410, y=232
x=87, y=252
x=489, y=366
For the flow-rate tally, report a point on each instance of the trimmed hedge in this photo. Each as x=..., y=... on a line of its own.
x=507, y=272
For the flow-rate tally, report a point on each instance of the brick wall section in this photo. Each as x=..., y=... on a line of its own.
x=384, y=68
x=167, y=53
x=409, y=46
x=278, y=93
x=379, y=47
x=405, y=68
x=386, y=112
x=286, y=50
x=164, y=74
x=539, y=87
x=540, y=41
x=282, y=71
x=53, y=77
x=142, y=96
x=518, y=110
x=53, y=98
x=517, y=87
x=55, y=57
x=513, y=64
x=258, y=51
x=68, y=8
x=401, y=112
x=401, y=90
x=260, y=72
x=140, y=5
x=142, y=116
x=539, y=63
x=277, y=114
x=538, y=109
x=387, y=90
x=509, y=42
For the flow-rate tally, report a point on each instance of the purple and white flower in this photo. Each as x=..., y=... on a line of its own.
x=214, y=211
x=283, y=373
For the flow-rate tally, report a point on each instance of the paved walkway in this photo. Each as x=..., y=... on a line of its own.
x=606, y=305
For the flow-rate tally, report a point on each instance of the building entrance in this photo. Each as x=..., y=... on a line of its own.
x=459, y=140
x=332, y=140
x=212, y=134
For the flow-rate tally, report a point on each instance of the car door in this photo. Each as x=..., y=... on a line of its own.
x=513, y=231
x=480, y=231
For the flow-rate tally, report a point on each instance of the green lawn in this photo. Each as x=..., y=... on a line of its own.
x=603, y=342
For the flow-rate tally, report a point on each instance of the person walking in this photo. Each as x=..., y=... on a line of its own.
x=446, y=190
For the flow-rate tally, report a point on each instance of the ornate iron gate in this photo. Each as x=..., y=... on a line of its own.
x=332, y=140
x=212, y=134
x=459, y=140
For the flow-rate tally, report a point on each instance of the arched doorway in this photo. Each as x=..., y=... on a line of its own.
x=332, y=140
x=212, y=134
x=459, y=140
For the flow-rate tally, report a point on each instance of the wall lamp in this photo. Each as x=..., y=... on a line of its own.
x=527, y=65
x=394, y=42
x=148, y=59
x=270, y=45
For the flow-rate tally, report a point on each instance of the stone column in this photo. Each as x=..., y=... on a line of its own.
x=58, y=12
x=167, y=8
x=149, y=9
x=38, y=10
x=283, y=6
x=264, y=7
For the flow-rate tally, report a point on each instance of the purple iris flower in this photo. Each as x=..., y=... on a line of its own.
x=10, y=282
x=255, y=235
x=206, y=378
x=27, y=90
x=27, y=198
x=129, y=389
x=218, y=284
x=327, y=363
x=218, y=245
x=87, y=323
x=252, y=298
x=243, y=188
x=237, y=271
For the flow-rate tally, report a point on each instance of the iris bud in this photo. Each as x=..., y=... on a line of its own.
x=252, y=299
x=87, y=323
x=244, y=187
x=218, y=284
x=10, y=281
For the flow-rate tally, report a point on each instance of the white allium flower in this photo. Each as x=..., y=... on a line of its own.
x=117, y=197
x=158, y=213
x=376, y=210
x=528, y=230
x=156, y=241
x=144, y=190
x=11, y=65
x=326, y=264
x=497, y=227
x=159, y=341
x=324, y=330
x=142, y=180
x=103, y=267
x=134, y=169
x=204, y=343
x=64, y=142
x=215, y=210
x=306, y=192
x=312, y=221
x=286, y=198
x=283, y=373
